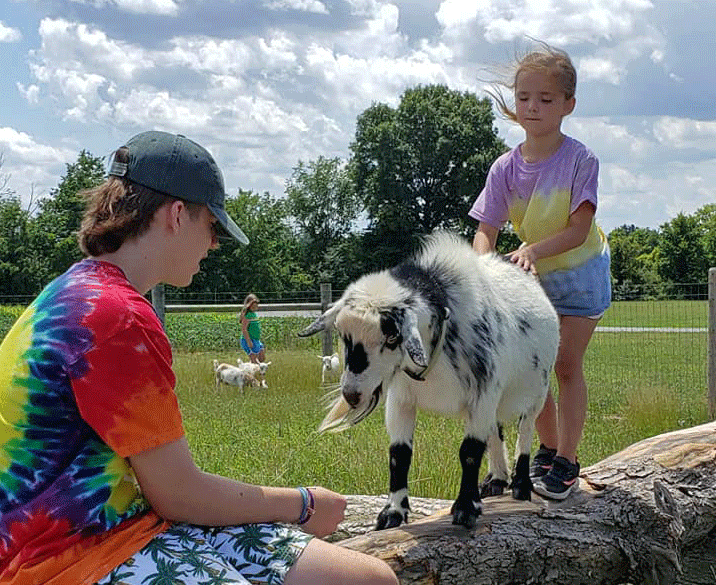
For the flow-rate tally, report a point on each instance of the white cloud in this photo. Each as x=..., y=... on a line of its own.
x=301, y=5
x=552, y=21
x=600, y=69
x=685, y=133
x=161, y=7
x=9, y=34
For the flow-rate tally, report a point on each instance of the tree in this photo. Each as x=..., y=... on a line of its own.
x=268, y=263
x=682, y=257
x=53, y=230
x=322, y=202
x=706, y=218
x=634, y=253
x=420, y=166
x=16, y=275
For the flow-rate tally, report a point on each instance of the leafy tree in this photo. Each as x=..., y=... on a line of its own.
x=706, y=218
x=53, y=231
x=321, y=200
x=16, y=278
x=634, y=253
x=268, y=263
x=419, y=166
x=681, y=251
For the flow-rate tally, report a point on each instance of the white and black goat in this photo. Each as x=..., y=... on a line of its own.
x=454, y=332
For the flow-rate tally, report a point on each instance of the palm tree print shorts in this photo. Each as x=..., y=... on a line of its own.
x=195, y=555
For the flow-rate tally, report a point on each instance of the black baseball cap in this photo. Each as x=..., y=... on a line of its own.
x=175, y=165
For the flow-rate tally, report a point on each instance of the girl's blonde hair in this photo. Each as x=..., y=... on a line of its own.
x=250, y=299
x=547, y=59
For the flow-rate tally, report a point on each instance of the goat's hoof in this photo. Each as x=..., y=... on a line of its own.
x=491, y=486
x=465, y=513
x=522, y=489
x=390, y=518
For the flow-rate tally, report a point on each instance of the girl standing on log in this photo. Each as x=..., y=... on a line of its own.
x=547, y=188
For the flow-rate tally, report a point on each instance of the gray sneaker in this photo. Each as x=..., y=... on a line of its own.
x=542, y=462
x=561, y=480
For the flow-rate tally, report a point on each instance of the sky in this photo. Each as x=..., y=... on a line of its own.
x=264, y=84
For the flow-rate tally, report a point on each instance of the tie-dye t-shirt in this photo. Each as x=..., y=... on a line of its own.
x=538, y=198
x=85, y=382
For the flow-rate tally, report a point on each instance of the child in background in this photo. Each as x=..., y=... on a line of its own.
x=251, y=330
x=547, y=188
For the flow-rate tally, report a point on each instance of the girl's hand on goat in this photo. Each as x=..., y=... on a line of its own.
x=525, y=258
x=329, y=511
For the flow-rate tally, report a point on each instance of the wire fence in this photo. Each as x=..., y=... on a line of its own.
x=652, y=339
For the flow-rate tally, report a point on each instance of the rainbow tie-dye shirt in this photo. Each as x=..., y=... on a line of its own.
x=538, y=198
x=85, y=382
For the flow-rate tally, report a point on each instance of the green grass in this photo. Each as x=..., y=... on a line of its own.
x=640, y=384
x=656, y=314
x=637, y=389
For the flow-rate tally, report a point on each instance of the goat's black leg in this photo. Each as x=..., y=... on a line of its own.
x=396, y=511
x=468, y=506
x=521, y=484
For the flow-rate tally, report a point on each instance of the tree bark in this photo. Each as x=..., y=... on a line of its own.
x=646, y=515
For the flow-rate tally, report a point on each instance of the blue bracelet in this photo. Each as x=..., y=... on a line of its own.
x=307, y=506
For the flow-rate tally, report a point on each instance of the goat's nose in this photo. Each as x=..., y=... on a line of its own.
x=352, y=397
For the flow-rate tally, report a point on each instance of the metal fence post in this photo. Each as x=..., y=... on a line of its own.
x=158, y=302
x=711, y=344
x=326, y=298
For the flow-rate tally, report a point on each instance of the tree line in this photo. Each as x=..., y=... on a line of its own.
x=412, y=169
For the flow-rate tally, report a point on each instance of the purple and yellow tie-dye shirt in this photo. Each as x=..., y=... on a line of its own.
x=538, y=198
x=85, y=382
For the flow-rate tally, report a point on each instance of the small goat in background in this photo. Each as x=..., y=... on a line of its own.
x=233, y=376
x=258, y=371
x=331, y=363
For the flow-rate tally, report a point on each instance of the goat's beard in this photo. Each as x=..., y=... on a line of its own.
x=342, y=415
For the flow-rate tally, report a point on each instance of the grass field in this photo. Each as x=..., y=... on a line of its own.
x=641, y=384
x=637, y=390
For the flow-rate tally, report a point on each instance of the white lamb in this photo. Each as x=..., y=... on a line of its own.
x=454, y=332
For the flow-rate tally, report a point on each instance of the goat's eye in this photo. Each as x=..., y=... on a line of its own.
x=391, y=340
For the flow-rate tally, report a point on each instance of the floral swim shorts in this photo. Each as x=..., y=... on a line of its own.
x=193, y=555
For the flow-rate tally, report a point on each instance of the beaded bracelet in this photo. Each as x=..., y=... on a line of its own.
x=308, y=506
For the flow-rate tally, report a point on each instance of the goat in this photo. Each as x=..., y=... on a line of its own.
x=233, y=376
x=331, y=363
x=454, y=332
x=257, y=370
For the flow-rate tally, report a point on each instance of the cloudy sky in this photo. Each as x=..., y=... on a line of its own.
x=265, y=83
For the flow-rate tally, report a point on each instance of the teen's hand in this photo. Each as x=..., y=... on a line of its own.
x=330, y=509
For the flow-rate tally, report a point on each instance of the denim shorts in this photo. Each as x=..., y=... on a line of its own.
x=250, y=554
x=256, y=346
x=583, y=291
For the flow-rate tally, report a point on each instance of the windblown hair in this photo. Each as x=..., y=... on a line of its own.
x=547, y=59
x=119, y=210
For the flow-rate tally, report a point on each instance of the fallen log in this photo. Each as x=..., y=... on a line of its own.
x=646, y=515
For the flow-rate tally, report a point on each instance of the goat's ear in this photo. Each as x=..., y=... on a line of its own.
x=325, y=320
x=413, y=344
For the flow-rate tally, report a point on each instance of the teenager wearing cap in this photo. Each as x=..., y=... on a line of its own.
x=97, y=483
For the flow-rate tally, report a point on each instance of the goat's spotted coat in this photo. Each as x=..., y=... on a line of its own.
x=454, y=332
